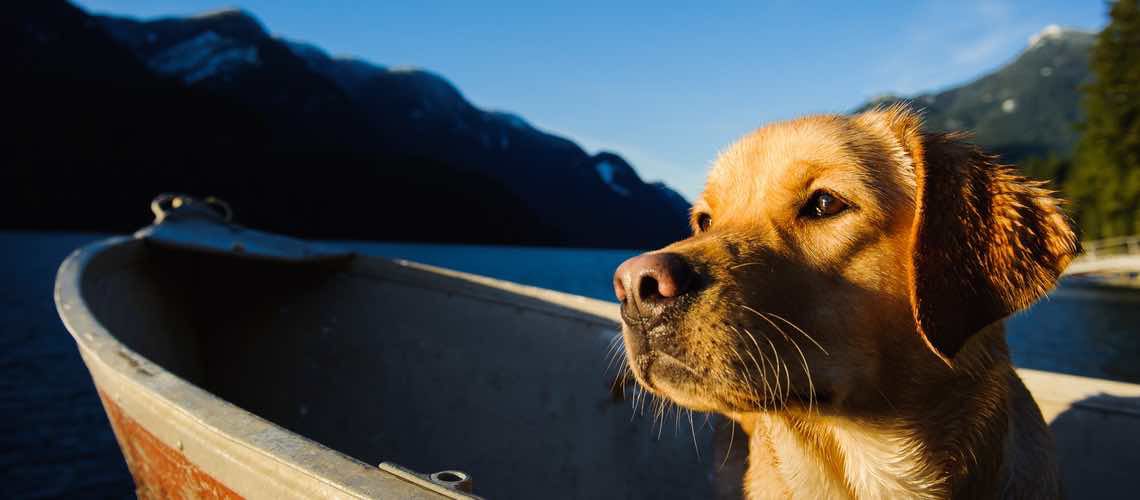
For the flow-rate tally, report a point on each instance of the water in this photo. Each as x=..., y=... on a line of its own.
x=579, y=271
x=55, y=440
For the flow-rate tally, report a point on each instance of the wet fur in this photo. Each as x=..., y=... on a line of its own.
x=864, y=354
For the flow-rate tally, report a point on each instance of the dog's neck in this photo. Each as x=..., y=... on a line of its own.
x=823, y=457
x=945, y=442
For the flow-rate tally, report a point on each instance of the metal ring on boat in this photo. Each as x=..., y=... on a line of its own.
x=166, y=204
x=454, y=479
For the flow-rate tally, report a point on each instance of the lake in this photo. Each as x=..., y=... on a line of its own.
x=56, y=442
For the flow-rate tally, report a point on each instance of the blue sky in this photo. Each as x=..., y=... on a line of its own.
x=666, y=86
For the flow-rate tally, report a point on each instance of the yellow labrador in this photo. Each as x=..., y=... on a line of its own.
x=842, y=298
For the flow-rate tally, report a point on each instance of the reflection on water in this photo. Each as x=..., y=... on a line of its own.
x=1079, y=329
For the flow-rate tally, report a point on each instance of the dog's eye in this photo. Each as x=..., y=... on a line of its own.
x=704, y=221
x=823, y=204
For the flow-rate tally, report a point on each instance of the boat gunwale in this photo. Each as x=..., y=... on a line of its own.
x=178, y=412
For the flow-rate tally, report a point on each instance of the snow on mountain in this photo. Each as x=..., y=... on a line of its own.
x=205, y=55
x=606, y=171
x=1050, y=32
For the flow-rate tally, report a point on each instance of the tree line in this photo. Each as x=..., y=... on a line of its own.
x=1102, y=178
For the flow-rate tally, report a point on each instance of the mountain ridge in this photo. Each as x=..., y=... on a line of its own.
x=227, y=109
x=415, y=111
x=1026, y=108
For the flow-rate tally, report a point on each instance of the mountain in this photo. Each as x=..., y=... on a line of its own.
x=419, y=110
x=118, y=110
x=1026, y=108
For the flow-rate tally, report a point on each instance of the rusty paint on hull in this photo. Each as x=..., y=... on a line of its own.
x=160, y=472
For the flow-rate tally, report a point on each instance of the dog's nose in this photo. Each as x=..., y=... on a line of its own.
x=652, y=277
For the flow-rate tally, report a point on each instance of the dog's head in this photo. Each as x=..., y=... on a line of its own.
x=830, y=253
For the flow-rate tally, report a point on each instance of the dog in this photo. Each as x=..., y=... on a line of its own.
x=841, y=298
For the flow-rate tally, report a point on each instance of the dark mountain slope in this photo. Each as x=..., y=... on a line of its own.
x=412, y=113
x=1027, y=108
x=99, y=134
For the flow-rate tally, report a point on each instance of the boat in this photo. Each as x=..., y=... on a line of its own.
x=235, y=363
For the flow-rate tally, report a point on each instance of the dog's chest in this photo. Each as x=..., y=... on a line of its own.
x=835, y=460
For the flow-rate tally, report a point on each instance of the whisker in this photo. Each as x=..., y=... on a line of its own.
x=769, y=388
x=805, y=334
x=641, y=403
x=746, y=264
x=620, y=380
x=615, y=352
x=744, y=365
x=776, y=362
x=807, y=372
x=660, y=416
x=694, y=431
x=638, y=391
x=763, y=375
x=613, y=343
x=787, y=390
x=677, y=411
x=803, y=359
x=731, y=436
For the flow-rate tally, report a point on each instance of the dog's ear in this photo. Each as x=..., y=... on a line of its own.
x=985, y=241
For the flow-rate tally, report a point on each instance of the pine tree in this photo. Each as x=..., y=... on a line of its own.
x=1053, y=167
x=1104, y=183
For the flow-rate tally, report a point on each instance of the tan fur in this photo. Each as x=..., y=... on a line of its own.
x=864, y=353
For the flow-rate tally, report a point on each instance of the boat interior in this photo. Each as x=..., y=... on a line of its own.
x=386, y=361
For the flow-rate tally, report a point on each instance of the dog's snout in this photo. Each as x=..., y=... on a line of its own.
x=652, y=277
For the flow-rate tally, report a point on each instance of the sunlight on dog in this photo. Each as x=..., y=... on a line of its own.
x=841, y=299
